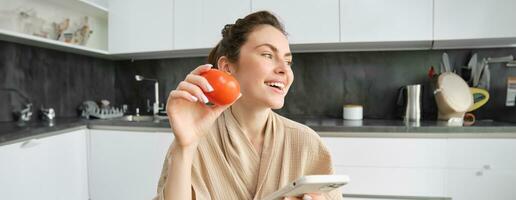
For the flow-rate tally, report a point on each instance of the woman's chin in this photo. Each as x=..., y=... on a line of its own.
x=277, y=104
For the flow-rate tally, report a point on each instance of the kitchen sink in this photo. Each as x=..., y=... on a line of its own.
x=141, y=118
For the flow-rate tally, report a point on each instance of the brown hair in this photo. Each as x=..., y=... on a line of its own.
x=235, y=35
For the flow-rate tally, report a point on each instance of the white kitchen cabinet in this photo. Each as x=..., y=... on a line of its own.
x=125, y=164
x=461, y=169
x=198, y=23
x=481, y=169
x=305, y=21
x=390, y=166
x=378, y=21
x=140, y=26
x=470, y=24
x=394, y=181
x=50, y=168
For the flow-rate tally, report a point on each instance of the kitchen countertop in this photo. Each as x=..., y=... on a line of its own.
x=10, y=132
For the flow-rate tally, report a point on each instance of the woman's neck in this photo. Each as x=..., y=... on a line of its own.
x=251, y=119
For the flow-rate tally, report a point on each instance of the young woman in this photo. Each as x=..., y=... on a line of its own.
x=243, y=150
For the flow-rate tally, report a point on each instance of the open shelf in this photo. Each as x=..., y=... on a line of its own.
x=51, y=44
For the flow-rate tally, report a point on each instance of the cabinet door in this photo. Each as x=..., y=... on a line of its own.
x=126, y=165
x=390, y=166
x=386, y=21
x=198, y=23
x=140, y=26
x=480, y=184
x=305, y=21
x=387, y=152
x=481, y=169
x=48, y=168
x=393, y=181
x=481, y=23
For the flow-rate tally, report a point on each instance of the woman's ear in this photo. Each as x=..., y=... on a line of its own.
x=223, y=64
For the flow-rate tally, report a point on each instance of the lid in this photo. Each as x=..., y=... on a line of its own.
x=455, y=91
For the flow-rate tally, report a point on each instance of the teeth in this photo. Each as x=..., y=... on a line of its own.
x=277, y=84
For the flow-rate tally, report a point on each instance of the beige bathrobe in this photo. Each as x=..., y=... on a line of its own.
x=226, y=165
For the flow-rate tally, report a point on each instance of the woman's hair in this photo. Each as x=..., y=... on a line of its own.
x=235, y=35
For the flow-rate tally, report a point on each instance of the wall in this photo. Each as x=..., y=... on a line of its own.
x=51, y=79
x=325, y=81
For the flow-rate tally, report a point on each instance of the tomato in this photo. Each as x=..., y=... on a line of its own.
x=225, y=87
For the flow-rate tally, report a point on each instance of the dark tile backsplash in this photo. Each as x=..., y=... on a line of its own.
x=51, y=79
x=323, y=81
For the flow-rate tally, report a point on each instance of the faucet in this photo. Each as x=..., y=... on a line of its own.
x=155, y=106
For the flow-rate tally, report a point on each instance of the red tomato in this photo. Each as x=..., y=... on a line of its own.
x=225, y=87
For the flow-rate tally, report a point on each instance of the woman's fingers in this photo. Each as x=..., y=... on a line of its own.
x=312, y=196
x=202, y=68
x=199, y=81
x=193, y=90
x=183, y=94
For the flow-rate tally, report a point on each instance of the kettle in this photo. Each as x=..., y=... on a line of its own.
x=409, y=102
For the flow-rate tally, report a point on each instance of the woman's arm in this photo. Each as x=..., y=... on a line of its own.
x=179, y=182
x=190, y=119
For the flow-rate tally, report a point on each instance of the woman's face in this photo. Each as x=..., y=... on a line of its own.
x=263, y=69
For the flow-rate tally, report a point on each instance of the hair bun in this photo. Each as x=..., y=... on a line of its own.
x=226, y=30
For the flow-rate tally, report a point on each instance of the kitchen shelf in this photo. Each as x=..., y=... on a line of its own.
x=31, y=40
x=101, y=9
x=84, y=6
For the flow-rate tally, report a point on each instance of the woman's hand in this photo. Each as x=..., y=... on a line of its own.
x=189, y=116
x=312, y=196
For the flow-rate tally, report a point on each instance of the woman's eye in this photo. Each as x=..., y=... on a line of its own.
x=267, y=55
x=289, y=63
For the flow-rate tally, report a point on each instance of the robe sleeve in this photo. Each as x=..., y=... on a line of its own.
x=163, y=179
x=323, y=164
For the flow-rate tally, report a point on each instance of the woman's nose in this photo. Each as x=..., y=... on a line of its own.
x=282, y=67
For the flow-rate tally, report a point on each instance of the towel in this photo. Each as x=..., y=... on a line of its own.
x=226, y=166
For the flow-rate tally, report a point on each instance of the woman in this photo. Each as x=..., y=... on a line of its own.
x=243, y=150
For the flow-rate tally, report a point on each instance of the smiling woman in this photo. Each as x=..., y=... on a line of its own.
x=243, y=150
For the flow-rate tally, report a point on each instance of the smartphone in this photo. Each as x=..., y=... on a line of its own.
x=310, y=184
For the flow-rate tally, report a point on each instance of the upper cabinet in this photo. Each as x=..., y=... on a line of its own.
x=305, y=21
x=407, y=22
x=470, y=24
x=198, y=23
x=140, y=26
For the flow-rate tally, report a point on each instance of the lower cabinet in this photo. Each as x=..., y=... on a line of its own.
x=390, y=167
x=126, y=165
x=53, y=168
x=479, y=169
x=458, y=169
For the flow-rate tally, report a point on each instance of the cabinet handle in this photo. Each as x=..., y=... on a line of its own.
x=29, y=144
x=479, y=173
x=487, y=167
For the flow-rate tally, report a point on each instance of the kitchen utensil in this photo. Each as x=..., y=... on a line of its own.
x=431, y=72
x=508, y=58
x=453, y=96
x=472, y=61
x=478, y=71
x=485, y=78
x=409, y=102
x=472, y=65
x=511, y=63
x=446, y=62
x=480, y=97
